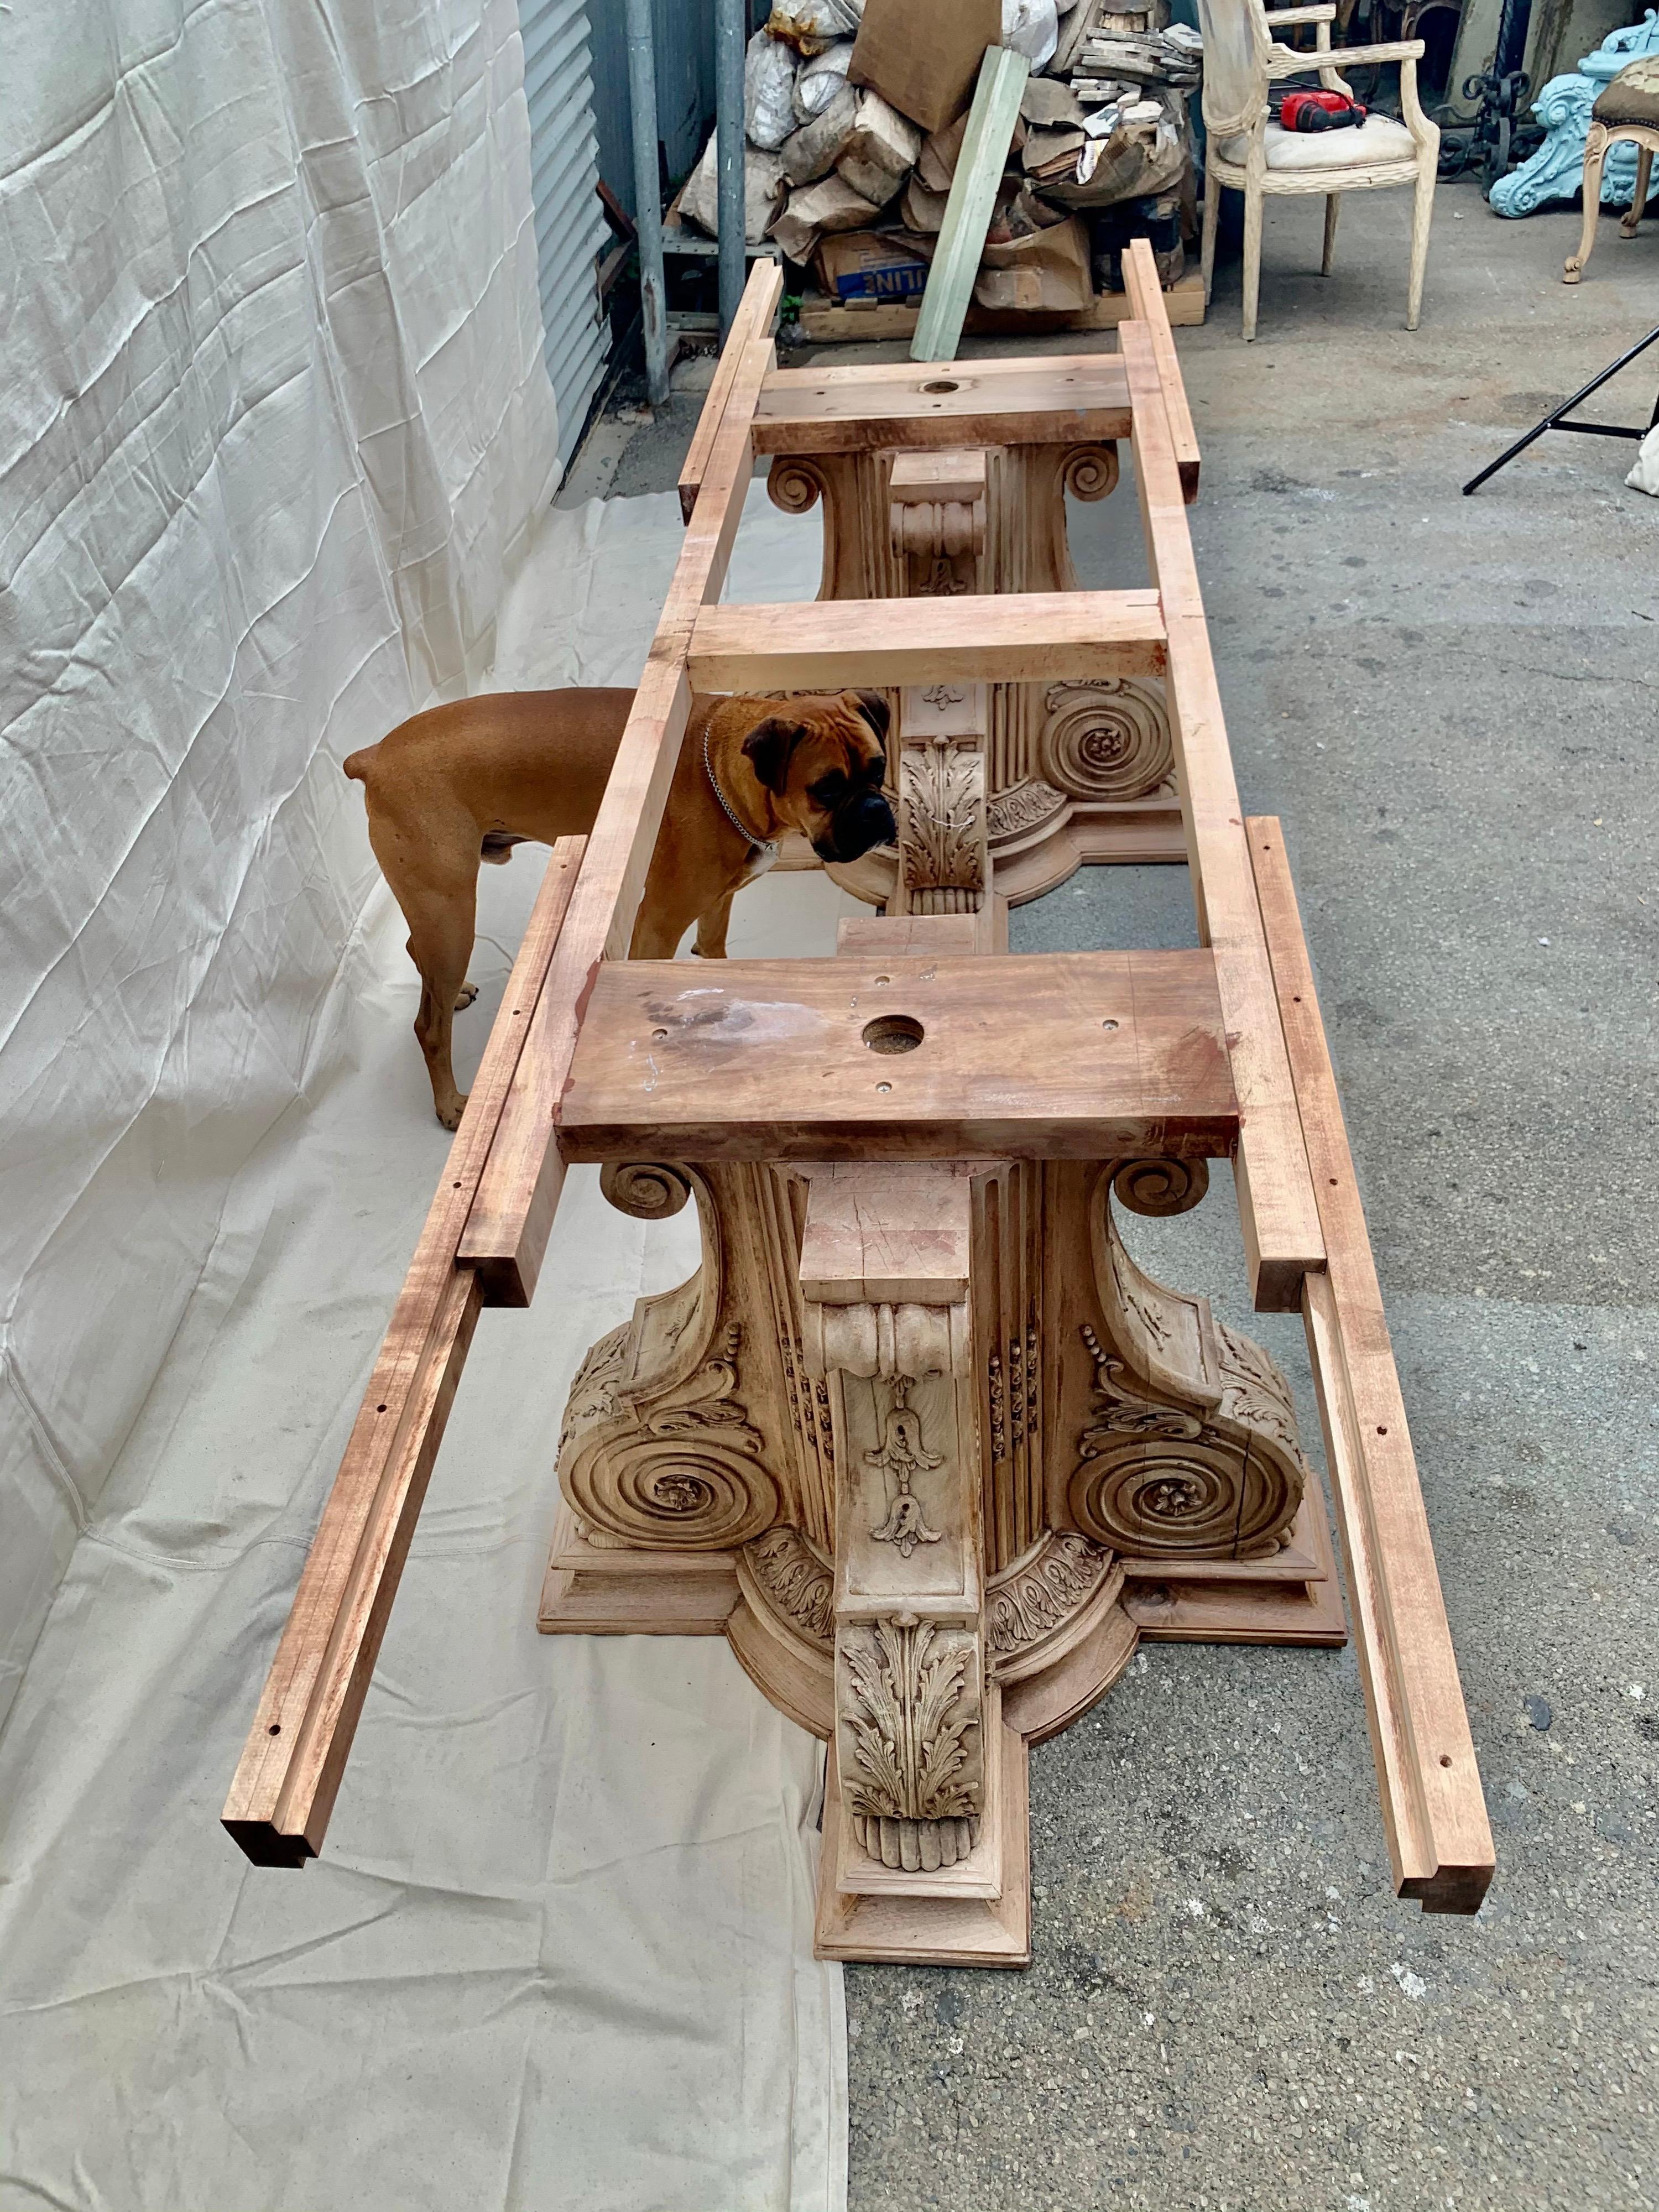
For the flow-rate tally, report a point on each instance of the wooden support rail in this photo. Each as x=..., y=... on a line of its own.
x=1036, y=637
x=283, y=1791
x=753, y=319
x=1146, y=305
x=489, y=1226
x=1276, y=1208
x=513, y=1214
x=1433, y=1809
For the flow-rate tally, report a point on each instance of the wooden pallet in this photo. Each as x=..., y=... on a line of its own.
x=829, y=322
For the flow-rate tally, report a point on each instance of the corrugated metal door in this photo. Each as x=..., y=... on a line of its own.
x=570, y=225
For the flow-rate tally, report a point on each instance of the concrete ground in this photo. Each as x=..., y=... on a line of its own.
x=1451, y=704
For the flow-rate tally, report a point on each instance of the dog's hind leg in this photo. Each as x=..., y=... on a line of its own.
x=440, y=931
x=711, y=927
x=433, y=876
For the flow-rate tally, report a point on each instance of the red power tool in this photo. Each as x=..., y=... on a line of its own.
x=1320, y=110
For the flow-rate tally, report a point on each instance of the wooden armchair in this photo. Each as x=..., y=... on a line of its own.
x=1249, y=153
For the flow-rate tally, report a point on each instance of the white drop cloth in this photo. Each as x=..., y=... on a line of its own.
x=557, y=1950
x=273, y=427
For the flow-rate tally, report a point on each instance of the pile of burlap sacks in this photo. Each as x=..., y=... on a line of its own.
x=856, y=111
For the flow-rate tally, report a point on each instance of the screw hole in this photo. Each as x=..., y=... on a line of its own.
x=1381, y=1432
x=660, y=1034
x=275, y=1729
x=380, y=1409
x=883, y=1086
x=1445, y=1759
x=1331, y=1180
x=884, y=979
x=942, y=383
x=1109, y=1025
x=893, y=1033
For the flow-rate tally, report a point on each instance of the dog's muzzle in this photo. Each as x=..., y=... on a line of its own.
x=857, y=825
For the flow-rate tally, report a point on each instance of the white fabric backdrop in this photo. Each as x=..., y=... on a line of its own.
x=273, y=427
x=557, y=1950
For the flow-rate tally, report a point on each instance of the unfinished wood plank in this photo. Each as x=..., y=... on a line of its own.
x=754, y=318
x=979, y=402
x=1052, y=1055
x=950, y=475
x=1276, y=1207
x=825, y=322
x=283, y=1791
x=1146, y=302
x=1433, y=1808
x=991, y=120
x=1013, y=637
x=518, y=1193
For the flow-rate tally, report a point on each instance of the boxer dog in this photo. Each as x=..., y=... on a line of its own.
x=466, y=782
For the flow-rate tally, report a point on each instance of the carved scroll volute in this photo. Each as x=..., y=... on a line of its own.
x=1106, y=740
x=884, y=1274
x=659, y=1450
x=1189, y=1447
x=859, y=563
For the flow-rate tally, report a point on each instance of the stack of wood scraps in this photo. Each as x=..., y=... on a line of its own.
x=858, y=129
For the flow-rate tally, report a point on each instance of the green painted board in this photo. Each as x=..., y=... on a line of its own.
x=984, y=155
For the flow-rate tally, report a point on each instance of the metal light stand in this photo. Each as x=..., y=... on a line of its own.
x=1555, y=419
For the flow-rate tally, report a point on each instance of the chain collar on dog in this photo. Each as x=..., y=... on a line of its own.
x=765, y=849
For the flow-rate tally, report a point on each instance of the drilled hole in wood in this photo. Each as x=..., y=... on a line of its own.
x=1381, y=1432
x=893, y=1033
x=275, y=1729
x=942, y=383
x=883, y=1086
x=660, y=1034
x=380, y=1409
x=1445, y=1759
x=884, y=979
x=1108, y=1024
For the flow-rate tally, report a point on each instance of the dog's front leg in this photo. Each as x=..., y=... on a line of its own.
x=711, y=927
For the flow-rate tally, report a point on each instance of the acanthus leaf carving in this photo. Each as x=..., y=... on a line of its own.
x=912, y=1758
x=942, y=815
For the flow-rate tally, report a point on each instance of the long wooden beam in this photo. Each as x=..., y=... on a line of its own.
x=1141, y=282
x=960, y=404
x=290, y=1769
x=753, y=319
x=1032, y=637
x=513, y=1213
x=489, y=1226
x=1433, y=1808
x=1277, y=1211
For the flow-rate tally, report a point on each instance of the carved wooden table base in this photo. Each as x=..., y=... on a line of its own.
x=1076, y=771
x=905, y=1437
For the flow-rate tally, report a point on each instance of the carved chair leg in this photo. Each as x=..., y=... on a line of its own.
x=1644, y=169
x=1596, y=150
x=1333, y=205
x=1252, y=259
x=1211, y=227
x=1422, y=216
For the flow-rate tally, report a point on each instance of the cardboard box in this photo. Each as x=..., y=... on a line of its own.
x=870, y=265
x=922, y=56
x=1046, y=274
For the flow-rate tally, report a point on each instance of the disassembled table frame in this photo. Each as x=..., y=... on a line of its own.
x=919, y=1436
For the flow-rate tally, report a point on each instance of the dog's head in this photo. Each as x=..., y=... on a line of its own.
x=824, y=760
